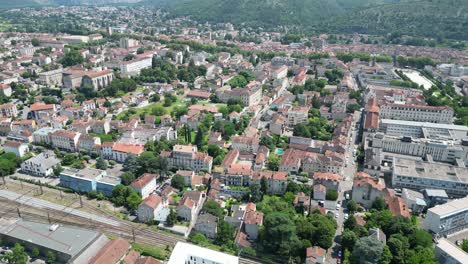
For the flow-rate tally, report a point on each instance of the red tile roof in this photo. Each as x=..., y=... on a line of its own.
x=128, y=148
x=41, y=106
x=326, y=176
x=143, y=180
x=153, y=200
x=111, y=253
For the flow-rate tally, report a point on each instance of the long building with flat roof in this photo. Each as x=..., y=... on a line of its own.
x=448, y=218
x=422, y=129
x=70, y=244
x=449, y=253
x=417, y=175
x=191, y=254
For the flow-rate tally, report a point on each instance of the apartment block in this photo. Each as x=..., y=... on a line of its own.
x=417, y=175
x=419, y=113
x=448, y=218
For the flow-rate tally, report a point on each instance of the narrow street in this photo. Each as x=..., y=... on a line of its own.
x=346, y=186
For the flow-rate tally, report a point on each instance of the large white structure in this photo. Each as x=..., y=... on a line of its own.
x=145, y=184
x=417, y=175
x=420, y=113
x=448, y=253
x=191, y=254
x=133, y=67
x=41, y=165
x=188, y=157
x=441, y=149
x=421, y=129
x=448, y=218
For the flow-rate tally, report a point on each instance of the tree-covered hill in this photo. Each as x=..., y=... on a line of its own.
x=431, y=18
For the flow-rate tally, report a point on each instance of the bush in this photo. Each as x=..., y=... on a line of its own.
x=332, y=195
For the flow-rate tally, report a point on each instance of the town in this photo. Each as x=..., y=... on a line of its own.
x=131, y=137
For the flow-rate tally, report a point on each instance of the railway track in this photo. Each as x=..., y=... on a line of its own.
x=125, y=229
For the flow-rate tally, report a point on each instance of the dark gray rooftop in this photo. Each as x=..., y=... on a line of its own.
x=65, y=239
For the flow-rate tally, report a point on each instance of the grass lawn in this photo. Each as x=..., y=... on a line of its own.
x=148, y=110
x=153, y=251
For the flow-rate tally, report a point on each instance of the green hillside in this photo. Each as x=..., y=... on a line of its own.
x=17, y=3
x=432, y=18
x=436, y=18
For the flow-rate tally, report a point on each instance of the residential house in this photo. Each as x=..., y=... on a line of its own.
x=8, y=110
x=277, y=180
x=247, y=144
x=19, y=148
x=253, y=220
x=65, y=139
x=330, y=180
x=188, y=157
x=151, y=208
x=315, y=255
x=145, y=184
x=190, y=204
x=207, y=224
x=41, y=165
x=366, y=189
x=320, y=192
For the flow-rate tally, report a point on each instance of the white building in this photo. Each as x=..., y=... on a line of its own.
x=41, y=165
x=420, y=113
x=418, y=175
x=145, y=184
x=191, y=254
x=421, y=129
x=188, y=157
x=448, y=253
x=64, y=139
x=441, y=149
x=151, y=209
x=133, y=67
x=19, y=148
x=448, y=218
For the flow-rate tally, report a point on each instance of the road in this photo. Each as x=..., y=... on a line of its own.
x=346, y=185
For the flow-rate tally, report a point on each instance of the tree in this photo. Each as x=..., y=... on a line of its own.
x=198, y=239
x=171, y=218
x=199, y=138
x=273, y=162
x=17, y=255
x=73, y=57
x=280, y=234
x=379, y=204
x=464, y=245
x=35, y=42
x=331, y=195
x=101, y=164
x=348, y=239
x=51, y=257
x=178, y=182
x=367, y=250
x=131, y=164
x=255, y=192
x=264, y=185
x=127, y=178
x=213, y=208
x=35, y=252
x=398, y=246
x=225, y=233
x=133, y=200
x=351, y=206
x=420, y=238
